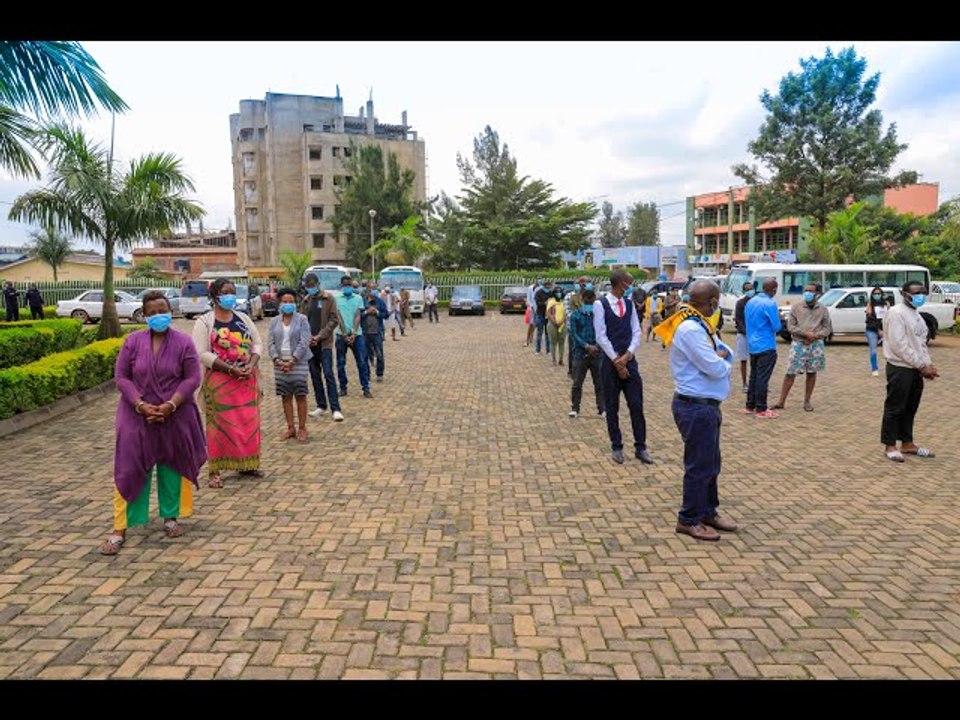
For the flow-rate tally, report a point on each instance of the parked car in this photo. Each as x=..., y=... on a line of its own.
x=88, y=307
x=467, y=299
x=848, y=306
x=718, y=279
x=171, y=294
x=268, y=297
x=249, y=302
x=195, y=298
x=513, y=299
x=662, y=286
x=567, y=285
x=945, y=291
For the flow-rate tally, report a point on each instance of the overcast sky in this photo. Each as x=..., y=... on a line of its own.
x=621, y=121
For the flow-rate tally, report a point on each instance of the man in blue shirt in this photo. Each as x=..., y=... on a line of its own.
x=763, y=324
x=701, y=367
x=350, y=336
x=586, y=352
x=374, y=314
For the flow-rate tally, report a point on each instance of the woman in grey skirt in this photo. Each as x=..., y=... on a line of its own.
x=290, y=351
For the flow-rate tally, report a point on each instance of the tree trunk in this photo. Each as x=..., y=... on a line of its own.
x=54, y=267
x=109, y=322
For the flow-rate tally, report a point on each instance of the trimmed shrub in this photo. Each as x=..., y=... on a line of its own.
x=56, y=376
x=21, y=344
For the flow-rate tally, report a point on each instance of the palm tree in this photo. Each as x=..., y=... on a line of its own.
x=84, y=197
x=295, y=265
x=844, y=239
x=402, y=245
x=51, y=246
x=46, y=79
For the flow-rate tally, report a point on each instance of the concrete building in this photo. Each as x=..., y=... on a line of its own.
x=221, y=239
x=722, y=227
x=288, y=153
x=189, y=262
x=79, y=266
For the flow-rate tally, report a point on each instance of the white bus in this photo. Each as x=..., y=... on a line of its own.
x=329, y=275
x=409, y=277
x=792, y=278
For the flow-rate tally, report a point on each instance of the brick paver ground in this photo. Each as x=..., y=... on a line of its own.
x=458, y=525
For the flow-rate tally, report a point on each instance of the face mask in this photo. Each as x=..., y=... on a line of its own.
x=288, y=308
x=588, y=309
x=628, y=292
x=348, y=291
x=313, y=290
x=558, y=296
x=918, y=300
x=685, y=298
x=588, y=286
x=808, y=296
x=227, y=302
x=876, y=298
x=160, y=322
x=750, y=293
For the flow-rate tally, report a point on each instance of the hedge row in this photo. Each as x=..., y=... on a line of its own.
x=23, y=343
x=56, y=376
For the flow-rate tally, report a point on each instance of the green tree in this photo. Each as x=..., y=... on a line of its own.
x=845, y=239
x=937, y=244
x=444, y=228
x=146, y=269
x=611, y=228
x=376, y=183
x=643, y=224
x=821, y=144
x=51, y=246
x=295, y=265
x=511, y=221
x=45, y=78
x=403, y=244
x=87, y=199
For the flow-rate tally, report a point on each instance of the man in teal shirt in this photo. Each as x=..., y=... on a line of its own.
x=350, y=336
x=763, y=324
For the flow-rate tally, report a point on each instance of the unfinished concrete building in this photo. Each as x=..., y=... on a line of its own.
x=288, y=153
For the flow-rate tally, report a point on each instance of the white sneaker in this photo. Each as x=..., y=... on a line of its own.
x=876, y=373
x=603, y=415
x=337, y=416
x=319, y=412
x=573, y=413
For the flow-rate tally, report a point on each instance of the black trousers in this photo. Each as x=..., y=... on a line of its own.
x=904, y=390
x=761, y=368
x=632, y=388
x=582, y=364
x=13, y=312
x=36, y=313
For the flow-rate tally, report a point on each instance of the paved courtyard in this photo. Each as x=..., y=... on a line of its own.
x=459, y=525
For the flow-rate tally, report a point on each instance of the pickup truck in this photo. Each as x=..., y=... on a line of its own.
x=848, y=307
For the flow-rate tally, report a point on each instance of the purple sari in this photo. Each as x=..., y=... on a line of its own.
x=179, y=442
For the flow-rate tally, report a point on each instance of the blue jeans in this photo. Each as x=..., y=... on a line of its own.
x=541, y=331
x=761, y=368
x=873, y=337
x=359, y=349
x=632, y=388
x=375, y=351
x=699, y=426
x=321, y=366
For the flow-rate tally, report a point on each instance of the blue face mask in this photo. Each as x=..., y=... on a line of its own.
x=685, y=298
x=288, y=308
x=808, y=296
x=750, y=293
x=160, y=322
x=227, y=302
x=588, y=286
x=348, y=291
x=918, y=300
x=587, y=309
x=313, y=290
x=628, y=292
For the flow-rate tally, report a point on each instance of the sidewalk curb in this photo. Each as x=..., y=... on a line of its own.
x=34, y=417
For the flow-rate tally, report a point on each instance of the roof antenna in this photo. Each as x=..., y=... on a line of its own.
x=338, y=91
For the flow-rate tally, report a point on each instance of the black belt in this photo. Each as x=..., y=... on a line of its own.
x=696, y=400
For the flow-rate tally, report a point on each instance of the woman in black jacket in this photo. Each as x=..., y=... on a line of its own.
x=876, y=309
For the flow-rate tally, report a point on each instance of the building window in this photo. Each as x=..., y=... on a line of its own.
x=316, y=182
x=336, y=151
x=308, y=128
x=249, y=164
x=249, y=192
x=341, y=179
x=319, y=240
x=261, y=133
x=315, y=153
x=246, y=134
x=347, y=152
x=317, y=212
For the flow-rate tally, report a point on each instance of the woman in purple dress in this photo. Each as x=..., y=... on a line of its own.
x=158, y=425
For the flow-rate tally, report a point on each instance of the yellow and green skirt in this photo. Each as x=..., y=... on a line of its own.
x=174, y=492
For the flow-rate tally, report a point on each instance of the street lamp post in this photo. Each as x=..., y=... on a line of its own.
x=373, y=257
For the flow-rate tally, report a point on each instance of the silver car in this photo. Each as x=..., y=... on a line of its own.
x=171, y=294
x=250, y=303
x=88, y=307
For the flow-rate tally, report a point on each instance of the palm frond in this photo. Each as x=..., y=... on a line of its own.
x=17, y=136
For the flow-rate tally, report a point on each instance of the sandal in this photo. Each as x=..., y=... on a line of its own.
x=172, y=528
x=920, y=452
x=808, y=407
x=112, y=545
x=895, y=455
x=216, y=481
x=302, y=435
x=288, y=434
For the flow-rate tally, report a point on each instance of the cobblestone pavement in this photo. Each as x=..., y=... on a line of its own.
x=459, y=525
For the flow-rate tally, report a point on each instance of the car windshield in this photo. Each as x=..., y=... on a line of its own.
x=515, y=290
x=830, y=297
x=733, y=285
x=467, y=292
x=399, y=280
x=195, y=289
x=329, y=279
x=950, y=287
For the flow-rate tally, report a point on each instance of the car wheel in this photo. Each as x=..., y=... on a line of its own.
x=138, y=317
x=188, y=316
x=80, y=315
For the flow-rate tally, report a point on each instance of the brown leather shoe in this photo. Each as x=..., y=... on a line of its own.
x=719, y=523
x=698, y=532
